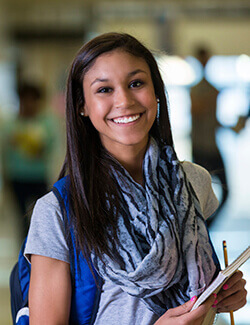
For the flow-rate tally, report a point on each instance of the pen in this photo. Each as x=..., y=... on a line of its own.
x=226, y=264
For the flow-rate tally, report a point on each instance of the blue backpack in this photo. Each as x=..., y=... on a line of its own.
x=86, y=288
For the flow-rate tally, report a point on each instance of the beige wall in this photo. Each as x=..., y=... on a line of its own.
x=229, y=36
x=225, y=36
x=47, y=62
x=143, y=29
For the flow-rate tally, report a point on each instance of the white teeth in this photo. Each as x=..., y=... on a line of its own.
x=125, y=120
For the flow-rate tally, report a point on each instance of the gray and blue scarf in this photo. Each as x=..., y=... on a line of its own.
x=163, y=254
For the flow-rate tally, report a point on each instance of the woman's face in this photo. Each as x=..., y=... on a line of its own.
x=120, y=100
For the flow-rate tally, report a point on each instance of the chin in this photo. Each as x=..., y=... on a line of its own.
x=134, y=141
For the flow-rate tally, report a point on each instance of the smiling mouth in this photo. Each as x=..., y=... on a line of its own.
x=126, y=119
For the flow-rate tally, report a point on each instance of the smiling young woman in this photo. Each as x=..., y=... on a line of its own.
x=121, y=103
x=135, y=213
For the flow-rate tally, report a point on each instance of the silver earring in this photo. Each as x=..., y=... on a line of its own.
x=158, y=107
x=82, y=113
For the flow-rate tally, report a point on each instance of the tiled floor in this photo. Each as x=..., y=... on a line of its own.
x=232, y=225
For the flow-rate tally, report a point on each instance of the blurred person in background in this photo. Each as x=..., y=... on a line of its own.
x=205, y=151
x=27, y=143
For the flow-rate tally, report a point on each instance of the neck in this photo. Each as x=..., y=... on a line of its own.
x=131, y=158
x=133, y=165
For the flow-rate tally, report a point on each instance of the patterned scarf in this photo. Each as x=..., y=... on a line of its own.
x=163, y=255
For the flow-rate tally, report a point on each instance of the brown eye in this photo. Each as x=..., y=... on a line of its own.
x=136, y=84
x=104, y=90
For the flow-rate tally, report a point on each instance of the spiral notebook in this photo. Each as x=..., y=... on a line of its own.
x=218, y=282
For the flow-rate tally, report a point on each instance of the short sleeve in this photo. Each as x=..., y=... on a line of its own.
x=202, y=184
x=46, y=236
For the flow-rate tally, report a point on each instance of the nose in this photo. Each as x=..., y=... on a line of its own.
x=123, y=98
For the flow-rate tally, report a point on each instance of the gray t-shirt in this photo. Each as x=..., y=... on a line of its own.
x=46, y=237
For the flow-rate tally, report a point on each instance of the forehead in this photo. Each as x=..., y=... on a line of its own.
x=117, y=61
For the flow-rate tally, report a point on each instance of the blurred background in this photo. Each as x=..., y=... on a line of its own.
x=209, y=102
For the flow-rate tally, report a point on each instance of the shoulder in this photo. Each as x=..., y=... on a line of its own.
x=47, y=234
x=49, y=202
x=48, y=211
x=203, y=87
x=196, y=172
x=201, y=181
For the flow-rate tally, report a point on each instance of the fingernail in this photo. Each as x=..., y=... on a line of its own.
x=215, y=302
x=225, y=287
x=215, y=295
x=214, y=306
x=193, y=298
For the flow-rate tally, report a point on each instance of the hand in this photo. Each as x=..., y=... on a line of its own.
x=233, y=294
x=183, y=316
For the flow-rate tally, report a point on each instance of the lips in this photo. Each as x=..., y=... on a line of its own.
x=126, y=119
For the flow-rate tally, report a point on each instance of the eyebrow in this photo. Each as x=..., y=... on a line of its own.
x=130, y=74
x=135, y=72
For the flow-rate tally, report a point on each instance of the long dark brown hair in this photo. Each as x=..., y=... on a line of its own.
x=94, y=196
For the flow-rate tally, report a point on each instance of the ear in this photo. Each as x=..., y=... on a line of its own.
x=85, y=110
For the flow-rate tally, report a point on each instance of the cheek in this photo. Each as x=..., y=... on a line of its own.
x=153, y=115
x=152, y=106
x=97, y=111
x=91, y=105
x=152, y=111
x=149, y=100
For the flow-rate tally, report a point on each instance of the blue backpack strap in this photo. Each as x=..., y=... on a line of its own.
x=86, y=288
x=24, y=272
x=17, y=302
x=19, y=287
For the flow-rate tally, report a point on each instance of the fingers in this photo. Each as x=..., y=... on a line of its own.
x=182, y=309
x=229, y=305
x=233, y=295
x=237, y=276
x=234, y=284
x=176, y=315
x=202, y=310
x=233, y=302
x=182, y=314
x=229, y=291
